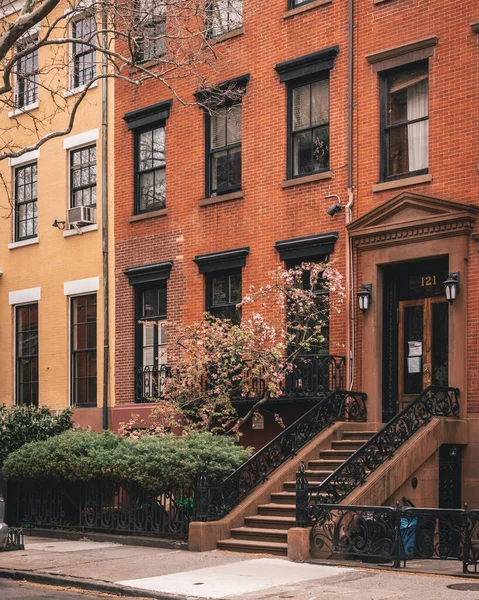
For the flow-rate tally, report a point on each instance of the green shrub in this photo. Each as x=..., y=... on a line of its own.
x=22, y=424
x=152, y=462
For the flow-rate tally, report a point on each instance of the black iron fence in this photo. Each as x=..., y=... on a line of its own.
x=100, y=506
x=434, y=401
x=313, y=376
x=396, y=535
x=214, y=502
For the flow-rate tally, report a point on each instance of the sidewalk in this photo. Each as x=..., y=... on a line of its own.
x=170, y=573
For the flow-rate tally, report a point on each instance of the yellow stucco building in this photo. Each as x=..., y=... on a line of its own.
x=54, y=289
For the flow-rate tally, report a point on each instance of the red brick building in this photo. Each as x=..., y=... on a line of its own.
x=374, y=103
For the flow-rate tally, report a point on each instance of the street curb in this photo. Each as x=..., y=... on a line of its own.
x=86, y=584
x=126, y=540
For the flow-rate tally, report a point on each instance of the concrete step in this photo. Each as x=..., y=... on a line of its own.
x=277, y=510
x=277, y=548
x=290, y=486
x=358, y=435
x=273, y=522
x=352, y=445
x=260, y=534
x=286, y=497
x=321, y=465
x=335, y=454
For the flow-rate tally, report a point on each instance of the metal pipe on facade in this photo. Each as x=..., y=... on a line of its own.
x=349, y=210
x=104, y=221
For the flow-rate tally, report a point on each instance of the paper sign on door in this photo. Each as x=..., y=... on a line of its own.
x=415, y=348
x=414, y=364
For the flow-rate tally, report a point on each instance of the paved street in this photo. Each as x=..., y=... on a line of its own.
x=13, y=590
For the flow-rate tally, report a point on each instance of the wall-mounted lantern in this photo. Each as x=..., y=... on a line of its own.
x=365, y=296
x=452, y=287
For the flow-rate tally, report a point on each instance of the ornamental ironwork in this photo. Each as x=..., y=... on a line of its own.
x=149, y=382
x=214, y=502
x=434, y=401
x=101, y=506
x=395, y=535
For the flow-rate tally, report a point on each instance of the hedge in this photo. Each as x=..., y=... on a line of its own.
x=22, y=424
x=157, y=463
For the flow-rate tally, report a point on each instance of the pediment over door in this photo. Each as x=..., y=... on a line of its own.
x=409, y=218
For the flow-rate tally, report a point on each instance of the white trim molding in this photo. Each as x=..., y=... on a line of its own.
x=22, y=243
x=81, y=139
x=24, y=158
x=79, y=89
x=24, y=296
x=81, y=286
x=84, y=229
x=24, y=109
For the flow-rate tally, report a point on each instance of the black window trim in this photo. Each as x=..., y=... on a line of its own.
x=18, y=77
x=71, y=152
x=17, y=237
x=222, y=261
x=139, y=289
x=136, y=161
x=18, y=359
x=384, y=128
x=308, y=248
x=209, y=276
x=73, y=352
x=290, y=133
x=301, y=71
x=293, y=4
x=141, y=120
x=74, y=85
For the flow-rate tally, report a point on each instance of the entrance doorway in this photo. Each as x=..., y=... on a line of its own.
x=423, y=346
x=415, y=333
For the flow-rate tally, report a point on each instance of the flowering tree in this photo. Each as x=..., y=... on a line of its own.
x=222, y=360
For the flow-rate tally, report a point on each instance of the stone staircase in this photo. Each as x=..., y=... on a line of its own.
x=267, y=531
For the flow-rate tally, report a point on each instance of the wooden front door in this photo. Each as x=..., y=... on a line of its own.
x=423, y=346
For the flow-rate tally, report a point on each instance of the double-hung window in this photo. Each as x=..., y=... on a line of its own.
x=309, y=136
x=223, y=16
x=27, y=74
x=295, y=3
x=404, y=116
x=307, y=79
x=83, y=177
x=224, y=164
x=152, y=347
x=223, y=294
x=151, y=41
x=26, y=334
x=83, y=54
x=150, y=169
x=83, y=350
x=26, y=220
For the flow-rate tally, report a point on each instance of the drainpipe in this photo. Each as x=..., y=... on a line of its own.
x=348, y=209
x=104, y=220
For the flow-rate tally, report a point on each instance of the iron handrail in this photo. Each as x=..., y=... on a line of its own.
x=440, y=401
x=214, y=502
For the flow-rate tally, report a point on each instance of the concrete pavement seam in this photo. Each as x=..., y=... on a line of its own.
x=86, y=584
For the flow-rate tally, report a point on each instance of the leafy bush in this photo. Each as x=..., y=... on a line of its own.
x=152, y=462
x=22, y=424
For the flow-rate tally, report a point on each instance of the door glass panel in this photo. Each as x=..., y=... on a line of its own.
x=440, y=322
x=413, y=332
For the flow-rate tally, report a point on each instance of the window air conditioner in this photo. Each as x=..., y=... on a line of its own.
x=81, y=215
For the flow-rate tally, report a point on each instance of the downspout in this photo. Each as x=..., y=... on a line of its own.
x=104, y=220
x=350, y=342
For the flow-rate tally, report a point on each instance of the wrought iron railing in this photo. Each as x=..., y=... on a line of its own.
x=434, y=401
x=313, y=376
x=395, y=535
x=149, y=382
x=100, y=506
x=214, y=502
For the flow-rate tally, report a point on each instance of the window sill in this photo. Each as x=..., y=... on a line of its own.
x=223, y=198
x=79, y=90
x=399, y=183
x=230, y=35
x=22, y=243
x=307, y=179
x=380, y=1
x=86, y=229
x=24, y=109
x=301, y=9
x=162, y=212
